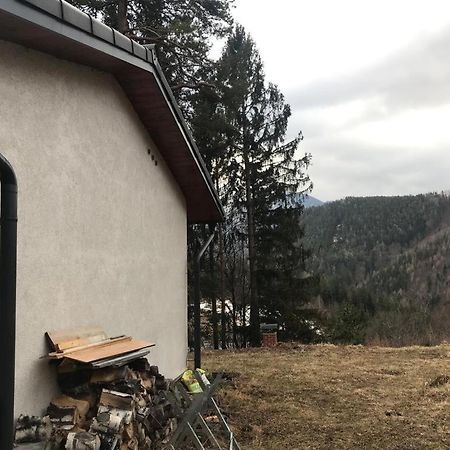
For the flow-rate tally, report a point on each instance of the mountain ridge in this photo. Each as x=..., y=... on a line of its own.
x=390, y=252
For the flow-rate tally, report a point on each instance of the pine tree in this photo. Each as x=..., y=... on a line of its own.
x=208, y=125
x=263, y=171
x=181, y=29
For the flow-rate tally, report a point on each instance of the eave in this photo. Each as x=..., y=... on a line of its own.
x=57, y=28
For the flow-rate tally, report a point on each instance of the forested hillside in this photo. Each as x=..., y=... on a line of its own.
x=383, y=265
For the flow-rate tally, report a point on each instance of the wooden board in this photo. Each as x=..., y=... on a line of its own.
x=64, y=353
x=64, y=339
x=67, y=345
x=107, y=351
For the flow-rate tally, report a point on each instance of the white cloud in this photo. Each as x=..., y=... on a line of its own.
x=303, y=40
x=368, y=85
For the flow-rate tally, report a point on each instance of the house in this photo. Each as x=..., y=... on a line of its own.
x=108, y=178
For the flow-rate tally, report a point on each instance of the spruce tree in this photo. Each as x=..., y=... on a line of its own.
x=181, y=29
x=263, y=171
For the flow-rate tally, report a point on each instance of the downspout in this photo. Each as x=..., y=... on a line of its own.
x=8, y=252
x=197, y=324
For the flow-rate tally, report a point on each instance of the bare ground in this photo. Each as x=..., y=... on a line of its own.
x=337, y=397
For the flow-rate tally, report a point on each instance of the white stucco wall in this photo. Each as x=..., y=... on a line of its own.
x=101, y=231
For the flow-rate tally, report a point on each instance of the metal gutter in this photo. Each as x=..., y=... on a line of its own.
x=197, y=311
x=68, y=14
x=184, y=129
x=8, y=261
x=39, y=13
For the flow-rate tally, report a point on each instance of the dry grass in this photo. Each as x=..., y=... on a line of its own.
x=337, y=397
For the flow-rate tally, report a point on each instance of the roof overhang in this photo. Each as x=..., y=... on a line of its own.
x=57, y=28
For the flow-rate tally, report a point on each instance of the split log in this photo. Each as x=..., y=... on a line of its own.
x=110, y=441
x=66, y=413
x=33, y=429
x=129, y=432
x=142, y=413
x=31, y=446
x=132, y=444
x=140, y=432
x=148, y=383
x=130, y=440
x=82, y=441
x=109, y=375
x=142, y=402
x=107, y=423
x=65, y=417
x=118, y=400
x=140, y=365
x=130, y=386
x=147, y=444
x=161, y=383
x=117, y=404
x=125, y=416
x=156, y=417
x=64, y=401
x=73, y=378
x=91, y=398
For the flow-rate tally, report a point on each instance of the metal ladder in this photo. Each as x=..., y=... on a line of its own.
x=193, y=430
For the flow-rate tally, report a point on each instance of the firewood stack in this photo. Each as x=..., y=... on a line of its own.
x=125, y=408
x=119, y=402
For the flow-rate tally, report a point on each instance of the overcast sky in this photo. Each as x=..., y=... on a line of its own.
x=369, y=85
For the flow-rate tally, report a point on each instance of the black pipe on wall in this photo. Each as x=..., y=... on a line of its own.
x=8, y=262
x=197, y=318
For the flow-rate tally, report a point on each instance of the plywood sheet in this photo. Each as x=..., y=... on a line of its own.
x=64, y=353
x=64, y=339
x=107, y=351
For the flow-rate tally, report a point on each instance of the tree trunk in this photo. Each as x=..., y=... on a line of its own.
x=215, y=325
x=122, y=21
x=233, y=314
x=222, y=290
x=254, y=304
x=243, y=299
x=244, y=315
x=197, y=312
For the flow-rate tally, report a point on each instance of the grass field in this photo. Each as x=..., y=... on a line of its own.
x=337, y=397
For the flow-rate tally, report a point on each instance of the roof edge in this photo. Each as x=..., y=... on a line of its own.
x=120, y=47
x=186, y=131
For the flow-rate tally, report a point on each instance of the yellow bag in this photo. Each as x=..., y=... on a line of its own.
x=191, y=383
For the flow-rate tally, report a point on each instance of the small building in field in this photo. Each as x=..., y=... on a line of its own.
x=108, y=179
